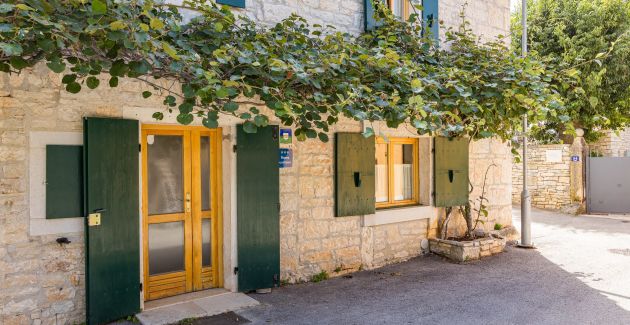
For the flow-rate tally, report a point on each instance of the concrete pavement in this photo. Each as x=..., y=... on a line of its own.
x=595, y=249
x=578, y=275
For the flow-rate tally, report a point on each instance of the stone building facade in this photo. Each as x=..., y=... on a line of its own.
x=43, y=282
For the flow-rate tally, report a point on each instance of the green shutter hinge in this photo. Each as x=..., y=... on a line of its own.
x=140, y=286
x=236, y=270
x=234, y=148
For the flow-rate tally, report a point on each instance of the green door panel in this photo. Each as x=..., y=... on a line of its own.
x=354, y=174
x=113, y=248
x=64, y=181
x=451, y=172
x=257, y=199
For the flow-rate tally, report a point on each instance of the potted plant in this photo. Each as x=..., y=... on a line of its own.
x=475, y=243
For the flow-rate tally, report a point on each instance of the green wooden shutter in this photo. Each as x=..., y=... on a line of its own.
x=354, y=178
x=233, y=3
x=258, y=208
x=370, y=21
x=112, y=262
x=64, y=181
x=430, y=17
x=451, y=171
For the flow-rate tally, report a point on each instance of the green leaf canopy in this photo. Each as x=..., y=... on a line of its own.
x=309, y=76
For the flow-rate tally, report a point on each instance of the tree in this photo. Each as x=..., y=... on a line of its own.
x=594, y=37
x=308, y=76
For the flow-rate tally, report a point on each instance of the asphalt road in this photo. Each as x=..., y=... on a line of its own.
x=578, y=275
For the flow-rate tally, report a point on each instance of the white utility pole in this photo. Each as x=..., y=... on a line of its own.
x=526, y=200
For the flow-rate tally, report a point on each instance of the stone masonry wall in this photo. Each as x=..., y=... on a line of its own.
x=40, y=281
x=314, y=240
x=43, y=283
x=612, y=144
x=489, y=19
x=549, y=183
x=344, y=15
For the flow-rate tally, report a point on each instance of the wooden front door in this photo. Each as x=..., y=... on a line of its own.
x=181, y=195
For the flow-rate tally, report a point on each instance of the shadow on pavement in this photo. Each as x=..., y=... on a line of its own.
x=516, y=287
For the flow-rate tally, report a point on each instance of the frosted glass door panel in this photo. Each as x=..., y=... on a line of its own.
x=166, y=247
x=165, y=173
x=205, y=173
x=206, y=242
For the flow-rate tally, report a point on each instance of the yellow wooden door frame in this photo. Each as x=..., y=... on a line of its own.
x=195, y=277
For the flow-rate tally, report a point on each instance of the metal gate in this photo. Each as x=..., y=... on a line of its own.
x=608, y=185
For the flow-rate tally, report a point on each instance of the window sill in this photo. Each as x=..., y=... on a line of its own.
x=399, y=206
x=391, y=215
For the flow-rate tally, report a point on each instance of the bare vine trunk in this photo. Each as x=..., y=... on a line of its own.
x=467, y=214
x=444, y=227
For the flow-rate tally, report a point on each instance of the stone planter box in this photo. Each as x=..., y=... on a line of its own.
x=467, y=250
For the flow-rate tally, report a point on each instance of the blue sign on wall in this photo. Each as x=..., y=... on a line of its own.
x=575, y=158
x=286, y=136
x=286, y=158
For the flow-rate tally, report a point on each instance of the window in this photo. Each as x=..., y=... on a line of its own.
x=396, y=172
x=400, y=8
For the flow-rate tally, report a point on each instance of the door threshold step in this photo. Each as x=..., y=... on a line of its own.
x=195, y=307
x=186, y=297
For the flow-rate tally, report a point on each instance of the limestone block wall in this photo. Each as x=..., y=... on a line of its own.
x=494, y=157
x=344, y=15
x=612, y=144
x=314, y=240
x=40, y=281
x=549, y=182
x=489, y=19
